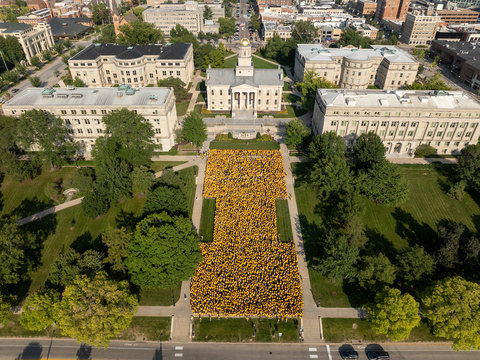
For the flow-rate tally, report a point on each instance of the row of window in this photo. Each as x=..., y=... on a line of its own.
x=126, y=64
x=410, y=133
x=230, y=92
x=99, y=131
x=397, y=113
x=97, y=121
x=259, y=102
x=402, y=124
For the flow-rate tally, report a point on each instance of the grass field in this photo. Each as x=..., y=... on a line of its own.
x=198, y=110
x=230, y=63
x=242, y=145
x=162, y=165
x=292, y=112
x=148, y=329
x=262, y=64
x=201, y=98
x=182, y=108
x=284, y=226
x=388, y=228
x=155, y=297
x=291, y=98
x=342, y=331
x=241, y=330
x=207, y=220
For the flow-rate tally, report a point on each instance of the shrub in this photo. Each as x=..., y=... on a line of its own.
x=457, y=190
x=52, y=190
x=266, y=138
x=259, y=136
x=425, y=150
x=222, y=137
x=95, y=204
x=230, y=136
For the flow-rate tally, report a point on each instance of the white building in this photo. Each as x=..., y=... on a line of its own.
x=244, y=90
x=82, y=109
x=448, y=121
x=420, y=29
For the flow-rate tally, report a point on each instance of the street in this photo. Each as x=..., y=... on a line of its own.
x=69, y=349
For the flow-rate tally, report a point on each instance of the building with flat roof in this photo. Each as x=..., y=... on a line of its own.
x=446, y=120
x=244, y=90
x=101, y=65
x=34, y=39
x=464, y=59
x=386, y=67
x=82, y=109
x=365, y=7
x=391, y=10
x=419, y=29
x=189, y=15
x=35, y=17
x=459, y=16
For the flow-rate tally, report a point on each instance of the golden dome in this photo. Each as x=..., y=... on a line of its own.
x=245, y=42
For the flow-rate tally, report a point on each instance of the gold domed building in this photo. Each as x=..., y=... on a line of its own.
x=244, y=90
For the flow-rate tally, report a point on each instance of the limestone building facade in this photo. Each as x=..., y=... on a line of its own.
x=101, y=65
x=82, y=109
x=244, y=90
x=34, y=39
x=420, y=29
x=386, y=67
x=448, y=121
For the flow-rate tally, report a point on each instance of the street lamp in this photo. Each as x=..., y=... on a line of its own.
x=1, y=53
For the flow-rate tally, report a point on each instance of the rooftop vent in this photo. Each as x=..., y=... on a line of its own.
x=62, y=95
x=153, y=97
x=119, y=94
x=48, y=91
x=95, y=91
x=70, y=87
x=383, y=102
x=77, y=95
x=130, y=91
x=423, y=99
x=124, y=87
x=351, y=101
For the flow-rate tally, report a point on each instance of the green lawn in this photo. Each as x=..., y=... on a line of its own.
x=148, y=329
x=284, y=226
x=182, y=108
x=160, y=297
x=242, y=145
x=162, y=165
x=262, y=64
x=388, y=228
x=207, y=220
x=201, y=98
x=292, y=112
x=230, y=63
x=198, y=110
x=291, y=98
x=342, y=331
x=241, y=330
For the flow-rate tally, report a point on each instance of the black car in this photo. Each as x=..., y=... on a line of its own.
x=15, y=90
x=378, y=355
x=348, y=354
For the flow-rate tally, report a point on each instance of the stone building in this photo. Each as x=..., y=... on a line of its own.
x=459, y=16
x=448, y=121
x=35, y=17
x=33, y=39
x=244, y=90
x=386, y=67
x=101, y=65
x=82, y=109
x=419, y=29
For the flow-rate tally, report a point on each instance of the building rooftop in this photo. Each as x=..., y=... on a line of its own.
x=173, y=51
x=112, y=96
x=271, y=77
x=469, y=51
x=374, y=99
x=315, y=52
x=9, y=27
x=68, y=26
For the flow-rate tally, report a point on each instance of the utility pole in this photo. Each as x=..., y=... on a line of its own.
x=1, y=52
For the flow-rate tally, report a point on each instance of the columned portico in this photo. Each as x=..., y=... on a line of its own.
x=244, y=100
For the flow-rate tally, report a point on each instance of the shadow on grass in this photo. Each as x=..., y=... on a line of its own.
x=311, y=234
x=416, y=233
x=127, y=219
x=86, y=242
x=377, y=243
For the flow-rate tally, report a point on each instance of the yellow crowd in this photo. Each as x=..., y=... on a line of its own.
x=247, y=270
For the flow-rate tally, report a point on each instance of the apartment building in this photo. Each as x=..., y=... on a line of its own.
x=386, y=67
x=459, y=16
x=392, y=10
x=34, y=39
x=366, y=30
x=419, y=29
x=448, y=121
x=35, y=17
x=270, y=28
x=189, y=15
x=82, y=109
x=101, y=65
x=365, y=7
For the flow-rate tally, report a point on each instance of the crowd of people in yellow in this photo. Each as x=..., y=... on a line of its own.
x=247, y=270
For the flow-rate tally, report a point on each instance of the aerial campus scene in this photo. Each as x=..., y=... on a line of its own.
x=239, y=179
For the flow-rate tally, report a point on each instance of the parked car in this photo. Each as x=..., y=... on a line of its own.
x=348, y=354
x=378, y=355
x=15, y=91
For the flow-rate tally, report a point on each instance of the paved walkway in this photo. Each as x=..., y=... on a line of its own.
x=50, y=211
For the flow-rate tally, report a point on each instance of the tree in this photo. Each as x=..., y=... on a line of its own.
x=452, y=306
x=138, y=11
x=52, y=190
x=339, y=257
x=348, y=205
x=116, y=240
x=386, y=184
x=200, y=53
x=166, y=198
x=311, y=83
x=214, y=59
x=11, y=76
x=46, y=55
x=100, y=13
x=325, y=145
x=142, y=179
x=82, y=180
x=368, y=150
x=108, y=34
x=134, y=135
x=58, y=47
x=434, y=83
x=297, y=133
x=414, y=264
x=179, y=87
x=180, y=34
x=95, y=310
x=351, y=37
x=38, y=311
x=394, y=314
x=11, y=49
x=227, y=26
x=96, y=203
x=35, y=81
x=468, y=168
x=139, y=33
x=14, y=248
x=207, y=13
x=255, y=22
x=22, y=69
x=5, y=311
x=194, y=129
x=304, y=32
x=376, y=271
x=164, y=250
x=77, y=82
x=35, y=127
x=68, y=44
x=35, y=61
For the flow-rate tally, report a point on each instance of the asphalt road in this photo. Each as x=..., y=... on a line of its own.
x=68, y=349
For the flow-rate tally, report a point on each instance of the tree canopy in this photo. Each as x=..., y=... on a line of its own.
x=194, y=129
x=311, y=83
x=393, y=314
x=38, y=311
x=468, y=168
x=95, y=310
x=164, y=250
x=304, y=32
x=368, y=150
x=116, y=241
x=227, y=26
x=179, y=87
x=139, y=32
x=414, y=264
x=297, y=133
